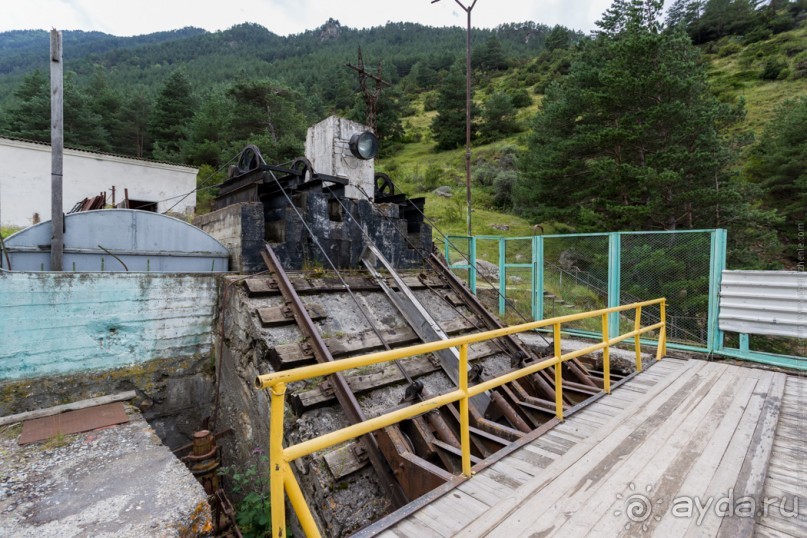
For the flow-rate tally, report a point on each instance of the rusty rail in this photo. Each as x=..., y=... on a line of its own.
x=342, y=391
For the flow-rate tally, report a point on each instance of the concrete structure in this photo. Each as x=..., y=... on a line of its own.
x=114, y=482
x=240, y=228
x=326, y=146
x=57, y=323
x=25, y=181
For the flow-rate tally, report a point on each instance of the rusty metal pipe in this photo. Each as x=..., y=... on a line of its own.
x=508, y=411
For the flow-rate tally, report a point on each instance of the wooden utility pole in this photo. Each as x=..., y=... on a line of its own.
x=57, y=150
x=370, y=97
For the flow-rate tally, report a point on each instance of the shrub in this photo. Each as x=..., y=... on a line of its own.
x=729, y=48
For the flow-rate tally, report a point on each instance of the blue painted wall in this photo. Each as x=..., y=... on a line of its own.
x=57, y=323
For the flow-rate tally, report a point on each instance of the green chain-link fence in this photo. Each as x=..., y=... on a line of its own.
x=541, y=277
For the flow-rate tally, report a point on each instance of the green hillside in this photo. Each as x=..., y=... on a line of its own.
x=198, y=97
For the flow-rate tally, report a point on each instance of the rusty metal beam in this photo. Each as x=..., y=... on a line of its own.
x=342, y=391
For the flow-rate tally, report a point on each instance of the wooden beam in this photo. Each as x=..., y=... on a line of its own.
x=82, y=404
x=57, y=151
x=287, y=356
x=389, y=375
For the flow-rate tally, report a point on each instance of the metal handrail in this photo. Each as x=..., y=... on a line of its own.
x=281, y=476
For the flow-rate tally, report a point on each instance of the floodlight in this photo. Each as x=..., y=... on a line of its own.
x=364, y=145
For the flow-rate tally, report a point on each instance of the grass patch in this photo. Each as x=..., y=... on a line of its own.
x=6, y=231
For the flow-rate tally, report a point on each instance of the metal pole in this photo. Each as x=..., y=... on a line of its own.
x=468, y=116
x=277, y=461
x=57, y=150
x=467, y=10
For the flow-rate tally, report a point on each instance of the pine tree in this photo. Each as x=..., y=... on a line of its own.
x=173, y=111
x=448, y=126
x=632, y=138
x=29, y=116
x=778, y=163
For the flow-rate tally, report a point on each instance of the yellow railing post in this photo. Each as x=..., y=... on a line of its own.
x=282, y=479
x=662, y=334
x=465, y=436
x=277, y=462
x=298, y=503
x=637, y=340
x=558, y=373
x=606, y=357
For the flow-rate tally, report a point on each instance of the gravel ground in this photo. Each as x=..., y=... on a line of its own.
x=119, y=481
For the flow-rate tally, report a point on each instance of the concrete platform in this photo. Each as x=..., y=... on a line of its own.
x=686, y=448
x=119, y=481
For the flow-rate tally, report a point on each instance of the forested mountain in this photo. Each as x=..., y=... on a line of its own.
x=684, y=119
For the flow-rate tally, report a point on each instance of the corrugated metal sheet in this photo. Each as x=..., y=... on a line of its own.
x=142, y=240
x=764, y=302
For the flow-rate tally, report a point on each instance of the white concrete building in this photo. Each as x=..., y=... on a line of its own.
x=25, y=182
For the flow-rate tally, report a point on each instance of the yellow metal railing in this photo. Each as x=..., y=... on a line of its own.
x=281, y=477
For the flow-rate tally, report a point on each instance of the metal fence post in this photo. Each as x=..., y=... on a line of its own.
x=637, y=340
x=714, y=336
x=502, y=275
x=614, y=275
x=472, y=263
x=606, y=357
x=537, y=277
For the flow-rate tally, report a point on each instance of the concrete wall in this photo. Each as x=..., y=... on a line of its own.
x=57, y=323
x=326, y=146
x=240, y=228
x=25, y=181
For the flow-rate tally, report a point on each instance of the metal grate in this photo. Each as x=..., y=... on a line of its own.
x=671, y=265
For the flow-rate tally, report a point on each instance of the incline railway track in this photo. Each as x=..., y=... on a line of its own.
x=391, y=308
x=418, y=455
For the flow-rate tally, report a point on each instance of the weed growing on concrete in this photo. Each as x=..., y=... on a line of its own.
x=58, y=440
x=253, y=512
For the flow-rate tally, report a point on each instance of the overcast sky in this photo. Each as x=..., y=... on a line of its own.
x=284, y=17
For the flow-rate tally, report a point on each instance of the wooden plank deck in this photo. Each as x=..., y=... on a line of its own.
x=687, y=448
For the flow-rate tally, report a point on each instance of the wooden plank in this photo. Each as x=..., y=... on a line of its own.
x=656, y=455
x=752, y=474
x=286, y=356
x=267, y=286
x=482, y=488
x=408, y=528
x=726, y=474
x=699, y=479
x=459, y=506
x=389, y=374
x=345, y=460
x=275, y=316
x=82, y=404
x=676, y=387
x=788, y=525
x=762, y=530
x=531, y=457
x=696, y=458
x=505, y=467
x=435, y=526
x=261, y=286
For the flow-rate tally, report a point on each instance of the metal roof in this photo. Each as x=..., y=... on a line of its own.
x=120, y=240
